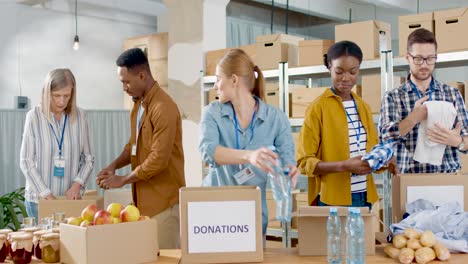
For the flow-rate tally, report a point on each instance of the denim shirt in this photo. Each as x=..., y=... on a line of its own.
x=270, y=128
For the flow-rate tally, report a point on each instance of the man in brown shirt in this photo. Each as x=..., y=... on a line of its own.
x=154, y=149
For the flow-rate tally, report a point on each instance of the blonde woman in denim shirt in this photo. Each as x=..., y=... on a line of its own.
x=237, y=130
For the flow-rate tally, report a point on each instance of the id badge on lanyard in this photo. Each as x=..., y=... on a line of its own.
x=59, y=161
x=139, y=115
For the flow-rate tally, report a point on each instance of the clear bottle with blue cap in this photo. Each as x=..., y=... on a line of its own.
x=281, y=186
x=334, y=237
x=357, y=246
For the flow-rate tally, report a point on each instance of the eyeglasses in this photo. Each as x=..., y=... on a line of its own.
x=420, y=60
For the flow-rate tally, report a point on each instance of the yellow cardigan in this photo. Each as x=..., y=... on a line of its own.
x=324, y=137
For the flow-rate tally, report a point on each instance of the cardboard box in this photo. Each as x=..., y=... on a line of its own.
x=272, y=93
x=212, y=95
x=276, y=48
x=300, y=199
x=221, y=224
x=450, y=29
x=70, y=207
x=121, y=196
x=212, y=58
x=408, y=187
x=271, y=205
x=409, y=23
x=251, y=50
x=371, y=90
x=124, y=243
x=154, y=45
x=300, y=98
x=366, y=35
x=311, y=51
x=312, y=229
x=159, y=71
x=463, y=162
x=460, y=86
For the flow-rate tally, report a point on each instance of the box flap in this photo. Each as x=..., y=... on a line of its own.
x=283, y=38
x=450, y=13
x=382, y=25
x=416, y=18
x=316, y=42
x=217, y=188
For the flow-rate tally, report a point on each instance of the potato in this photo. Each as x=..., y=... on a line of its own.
x=441, y=251
x=428, y=239
x=412, y=233
x=424, y=255
x=413, y=243
x=406, y=255
x=399, y=241
x=392, y=251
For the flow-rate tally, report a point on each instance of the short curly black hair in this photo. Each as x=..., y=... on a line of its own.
x=342, y=48
x=133, y=59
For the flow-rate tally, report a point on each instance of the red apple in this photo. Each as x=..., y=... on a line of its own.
x=102, y=217
x=89, y=212
x=74, y=221
x=130, y=214
x=114, y=209
x=116, y=220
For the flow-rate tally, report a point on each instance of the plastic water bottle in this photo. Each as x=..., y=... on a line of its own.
x=357, y=243
x=348, y=236
x=281, y=186
x=334, y=237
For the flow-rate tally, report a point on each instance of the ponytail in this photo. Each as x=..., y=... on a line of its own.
x=259, y=86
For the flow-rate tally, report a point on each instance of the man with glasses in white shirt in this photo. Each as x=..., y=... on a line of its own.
x=403, y=110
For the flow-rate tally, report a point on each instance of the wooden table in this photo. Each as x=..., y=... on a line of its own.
x=290, y=256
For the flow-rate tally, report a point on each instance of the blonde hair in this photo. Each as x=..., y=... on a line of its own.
x=237, y=62
x=55, y=80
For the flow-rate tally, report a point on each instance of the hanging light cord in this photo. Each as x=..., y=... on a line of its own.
x=76, y=17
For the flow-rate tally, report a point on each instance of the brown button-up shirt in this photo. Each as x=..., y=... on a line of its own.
x=159, y=159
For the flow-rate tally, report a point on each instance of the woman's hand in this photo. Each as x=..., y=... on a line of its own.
x=262, y=158
x=293, y=172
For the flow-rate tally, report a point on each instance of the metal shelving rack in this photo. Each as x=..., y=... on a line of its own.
x=385, y=66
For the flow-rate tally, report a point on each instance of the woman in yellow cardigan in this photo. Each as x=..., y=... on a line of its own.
x=338, y=129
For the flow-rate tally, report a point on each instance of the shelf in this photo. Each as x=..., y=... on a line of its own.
x=267, y=74
x=278, y=232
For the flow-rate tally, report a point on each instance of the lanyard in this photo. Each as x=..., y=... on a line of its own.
x=358, y=129
x=237, y=126
x=139, y=115
x=60, y=141
x=431, y=89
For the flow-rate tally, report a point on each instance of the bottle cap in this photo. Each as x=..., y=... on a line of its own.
x=333, y=210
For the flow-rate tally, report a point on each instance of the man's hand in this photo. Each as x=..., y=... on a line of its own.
x=50, y=197
x=108, y=181
x=107, y=171
x=74, y=193
x=449, y=137
x=420, y=110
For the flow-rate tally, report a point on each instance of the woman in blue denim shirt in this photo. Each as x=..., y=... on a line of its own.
x=237, y=130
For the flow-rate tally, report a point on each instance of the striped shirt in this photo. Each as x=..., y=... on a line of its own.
x=357, y=144
x=397, y=104
x=40, y=147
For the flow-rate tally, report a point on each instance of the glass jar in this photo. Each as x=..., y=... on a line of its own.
x=36, y=238
x=6, y=245
x=9, y=235
x=28, y=222
x=57, y=218
x=56, y=230
x=30, y=229
x=3, y=247
x=21, y=248
x=50, y=246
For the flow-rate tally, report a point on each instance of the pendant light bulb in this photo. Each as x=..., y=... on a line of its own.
x=76, y=43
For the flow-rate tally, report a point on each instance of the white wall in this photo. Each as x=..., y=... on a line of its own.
x=35, y=40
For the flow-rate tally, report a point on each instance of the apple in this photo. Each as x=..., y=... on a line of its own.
x=85, y=223
x=74, y=221
x=89, y=212
x=102, y=217
x=116, y=220
x=144, y=217
x=114, y=209
x=130, y=214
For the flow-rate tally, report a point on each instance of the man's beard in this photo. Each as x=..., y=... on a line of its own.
x=422, y=76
